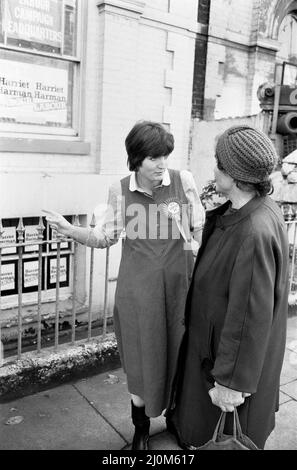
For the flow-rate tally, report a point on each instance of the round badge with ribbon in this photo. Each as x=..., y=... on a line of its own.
x=172, y=210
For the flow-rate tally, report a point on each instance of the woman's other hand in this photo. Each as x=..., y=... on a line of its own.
x=58, y=222
x=225, y=398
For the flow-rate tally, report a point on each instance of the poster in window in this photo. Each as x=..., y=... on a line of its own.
x=53, y=236
x=33, y=94
x=31, y=235
x=30, y=275
x=53, y=246
x=9, y=278
x=8, y=238
x=36, y=21
x=52, y=272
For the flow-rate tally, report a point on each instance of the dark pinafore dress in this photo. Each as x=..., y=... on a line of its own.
x=152, y=285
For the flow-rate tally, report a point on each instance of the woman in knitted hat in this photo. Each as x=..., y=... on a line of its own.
x=236, y=308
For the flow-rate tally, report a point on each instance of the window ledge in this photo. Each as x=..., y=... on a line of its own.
x=21, y=145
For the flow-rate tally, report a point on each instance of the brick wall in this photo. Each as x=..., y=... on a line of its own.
x=148, y=74
x=235, y=66
x=203, y=144
x=203, y=11
x=137, y=63
x=199, y=77
x=200, y=61
x=238, y=61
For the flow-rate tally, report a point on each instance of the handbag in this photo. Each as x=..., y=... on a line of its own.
x=221, y=441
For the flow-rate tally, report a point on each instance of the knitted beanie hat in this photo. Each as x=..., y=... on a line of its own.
x=246, y=154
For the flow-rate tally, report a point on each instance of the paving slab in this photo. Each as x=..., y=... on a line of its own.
x=164, y=441
x=292, y=328
x=284, y=436
x=283, y=397
x=112, y=400
x=57, y=419
x=290, y=390
x=289, y=369
x=161, y=441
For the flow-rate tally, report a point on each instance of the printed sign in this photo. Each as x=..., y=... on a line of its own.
x=31, y=234
x=30, y=274
x=8, y=277
x=34, y=20
x=53, y=270
x=54, y=245
x=8, y=238
x=33, y=94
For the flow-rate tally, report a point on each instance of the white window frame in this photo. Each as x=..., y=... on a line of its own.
x=74, y=132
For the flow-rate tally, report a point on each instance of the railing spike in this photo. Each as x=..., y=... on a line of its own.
x=21, y=230
x=20, y=226
x=93, y=221
x=41, y=225
x=76, y=222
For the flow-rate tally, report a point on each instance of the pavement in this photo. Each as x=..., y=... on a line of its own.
x=93, y=413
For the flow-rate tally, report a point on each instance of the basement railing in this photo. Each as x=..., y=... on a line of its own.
x=40, y=253
x=21, y=256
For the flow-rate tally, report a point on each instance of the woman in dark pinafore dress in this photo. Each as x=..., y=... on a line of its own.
x=160, y=211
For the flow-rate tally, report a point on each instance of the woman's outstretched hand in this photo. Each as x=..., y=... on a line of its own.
x=58, y=222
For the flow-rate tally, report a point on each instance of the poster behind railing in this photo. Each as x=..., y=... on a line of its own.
x=8, y=278
x=8, y=237
x=31, y=235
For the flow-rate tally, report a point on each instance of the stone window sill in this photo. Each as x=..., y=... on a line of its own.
x=27, y=145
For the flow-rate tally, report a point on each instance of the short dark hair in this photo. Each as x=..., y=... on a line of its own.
x=262, y=188
x=147, y=138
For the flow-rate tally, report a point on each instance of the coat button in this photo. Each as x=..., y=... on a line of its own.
x=183, y=321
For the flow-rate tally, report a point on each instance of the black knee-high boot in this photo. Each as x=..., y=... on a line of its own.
x=142, y=427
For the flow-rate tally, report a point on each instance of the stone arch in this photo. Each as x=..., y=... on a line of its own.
x=278, y=11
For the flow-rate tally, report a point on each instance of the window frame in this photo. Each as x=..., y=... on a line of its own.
x=26, y=132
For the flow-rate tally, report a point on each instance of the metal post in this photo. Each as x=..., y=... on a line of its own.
x=278, y=75
x=74, y=284
x=40, y=230
x=105, y=294
x=21, y=231
x=58, y=240
x=92, y=225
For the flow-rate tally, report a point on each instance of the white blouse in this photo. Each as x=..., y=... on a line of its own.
x=109, y=221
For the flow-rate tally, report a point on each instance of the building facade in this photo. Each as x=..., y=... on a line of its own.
x=75, y=75
x=238, y=47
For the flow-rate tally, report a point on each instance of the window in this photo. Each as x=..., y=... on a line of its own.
x=39, y=66
x=287, y=39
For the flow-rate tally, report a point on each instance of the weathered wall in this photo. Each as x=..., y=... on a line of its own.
x=137, y=63
x=203, y=144
x=239, y=59
x=241, y=44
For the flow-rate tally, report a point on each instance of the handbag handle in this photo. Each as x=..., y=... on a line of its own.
x=219, y=429
x=220, y=426
x=236, y=424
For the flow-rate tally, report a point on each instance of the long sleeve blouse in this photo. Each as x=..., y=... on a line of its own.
x=110, y=223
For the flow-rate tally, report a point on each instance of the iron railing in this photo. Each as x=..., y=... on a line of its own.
x=21, y=257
